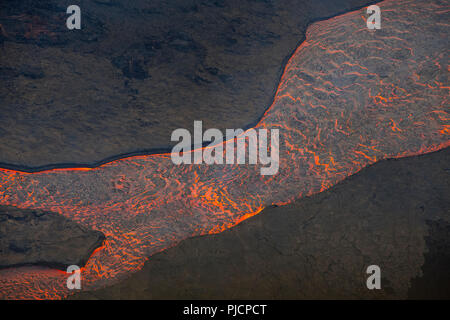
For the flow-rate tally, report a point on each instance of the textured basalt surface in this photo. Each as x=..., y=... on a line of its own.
x=36, y=237
x=137, y=70
x=320, y=246
x=435, y=282
x=348, y=98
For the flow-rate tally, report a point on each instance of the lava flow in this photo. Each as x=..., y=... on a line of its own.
x=349, y=97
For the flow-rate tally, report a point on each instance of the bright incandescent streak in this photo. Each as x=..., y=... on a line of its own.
x=349, y=97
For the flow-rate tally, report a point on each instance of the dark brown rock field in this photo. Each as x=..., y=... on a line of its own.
x=36, y=237
x=137, y=70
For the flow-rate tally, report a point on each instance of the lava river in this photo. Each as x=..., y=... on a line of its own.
x=349, y=97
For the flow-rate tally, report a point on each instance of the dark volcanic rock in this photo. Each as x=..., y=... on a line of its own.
x=319, y=247
x=35, y=237
x=435, y=282
x=167, y=63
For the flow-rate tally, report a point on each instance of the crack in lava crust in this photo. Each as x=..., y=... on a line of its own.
x=349, y=97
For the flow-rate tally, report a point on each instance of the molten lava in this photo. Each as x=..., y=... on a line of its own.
x=349, y=97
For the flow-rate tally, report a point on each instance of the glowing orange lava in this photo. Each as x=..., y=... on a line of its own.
x=348, y=97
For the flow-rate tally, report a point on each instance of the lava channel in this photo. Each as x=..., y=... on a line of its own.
x=349, y=97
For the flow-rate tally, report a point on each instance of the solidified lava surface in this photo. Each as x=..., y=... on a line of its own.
x=348, y=97
x=137, y=70
x=36, y=237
